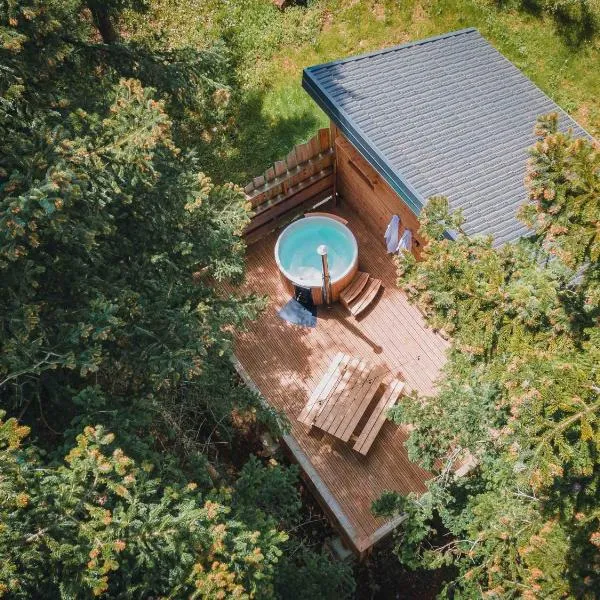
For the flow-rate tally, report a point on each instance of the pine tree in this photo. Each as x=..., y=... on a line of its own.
x=111, y=240
x=100, y=524
x=563, y=201
x=519, y=394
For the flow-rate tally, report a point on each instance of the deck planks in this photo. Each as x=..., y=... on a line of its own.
x=339, y=392
x=361, y=402
x=310, y=411
x=287, y=363
x=343, y=408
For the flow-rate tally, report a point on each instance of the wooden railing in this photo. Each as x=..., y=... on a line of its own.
x=291, y=186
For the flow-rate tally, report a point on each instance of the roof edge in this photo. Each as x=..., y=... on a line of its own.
x=372, y=53
x=347, y=126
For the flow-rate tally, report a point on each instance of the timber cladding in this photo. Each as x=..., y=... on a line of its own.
x=361, y=186
x=291, y=186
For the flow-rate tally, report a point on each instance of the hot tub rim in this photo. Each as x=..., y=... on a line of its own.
x=352, y=263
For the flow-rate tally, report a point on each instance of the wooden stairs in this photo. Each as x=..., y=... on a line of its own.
x=359, y=295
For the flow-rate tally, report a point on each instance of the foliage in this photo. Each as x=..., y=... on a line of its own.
x=115, y=248
x=270, y=491
x=101, y=525
x=267, y=497
x=250, y=132
x=563, y=207
x=104, y=220
x=303, y=575
x=519, y=397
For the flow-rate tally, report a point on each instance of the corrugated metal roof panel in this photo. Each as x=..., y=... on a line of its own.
x=447, y=115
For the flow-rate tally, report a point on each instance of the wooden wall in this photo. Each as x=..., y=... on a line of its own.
x=325, y=165
x=291, y=186
x=359, y=185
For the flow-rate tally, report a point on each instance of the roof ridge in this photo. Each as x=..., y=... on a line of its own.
x=390, y=49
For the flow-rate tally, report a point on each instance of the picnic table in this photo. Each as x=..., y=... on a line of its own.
x=344, y=394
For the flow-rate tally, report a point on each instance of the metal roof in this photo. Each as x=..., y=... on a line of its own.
x=448, y=115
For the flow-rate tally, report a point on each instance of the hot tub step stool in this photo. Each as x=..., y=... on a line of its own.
x=359, y=295
x=354, y=289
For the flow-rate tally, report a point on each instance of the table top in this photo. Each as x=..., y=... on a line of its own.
x=343, y=395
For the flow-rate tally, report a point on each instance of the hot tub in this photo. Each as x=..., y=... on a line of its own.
x=300, y=263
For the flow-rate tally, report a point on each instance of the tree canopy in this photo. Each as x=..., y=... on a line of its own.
x=114, y=334
x=519, y=399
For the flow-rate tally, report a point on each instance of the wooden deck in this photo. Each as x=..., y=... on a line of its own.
x=286, y=363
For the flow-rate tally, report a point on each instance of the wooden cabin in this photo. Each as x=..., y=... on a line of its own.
x=443, y=116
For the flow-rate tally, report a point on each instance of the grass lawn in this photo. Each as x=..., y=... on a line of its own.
x=553, y=54
x=272, y=47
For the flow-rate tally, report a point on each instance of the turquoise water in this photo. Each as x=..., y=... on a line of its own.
x=298, y=250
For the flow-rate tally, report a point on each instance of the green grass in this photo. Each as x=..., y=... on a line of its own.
x=272, y=47
x=553, y=55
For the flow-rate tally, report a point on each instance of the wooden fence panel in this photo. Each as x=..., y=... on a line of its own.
x=291, y=186
x=281, y=185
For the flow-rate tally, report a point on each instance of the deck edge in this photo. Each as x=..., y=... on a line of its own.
x=304, y=463
x=361, y=545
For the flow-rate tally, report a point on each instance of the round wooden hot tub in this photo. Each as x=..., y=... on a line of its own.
x=299, y=261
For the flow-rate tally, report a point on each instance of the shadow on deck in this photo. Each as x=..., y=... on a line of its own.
x=286, y=363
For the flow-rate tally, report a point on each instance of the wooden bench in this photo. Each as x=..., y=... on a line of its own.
x=377, y=419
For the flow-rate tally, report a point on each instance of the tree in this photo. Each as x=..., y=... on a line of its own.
x=268, y=497
x=105, y=12
x=104, y=219
x=112, y=245
x=519, y=395
x=102, y=525
x=564, y=188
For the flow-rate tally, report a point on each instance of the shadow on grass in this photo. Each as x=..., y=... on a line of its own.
x=576, y=22
x=255, y=141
